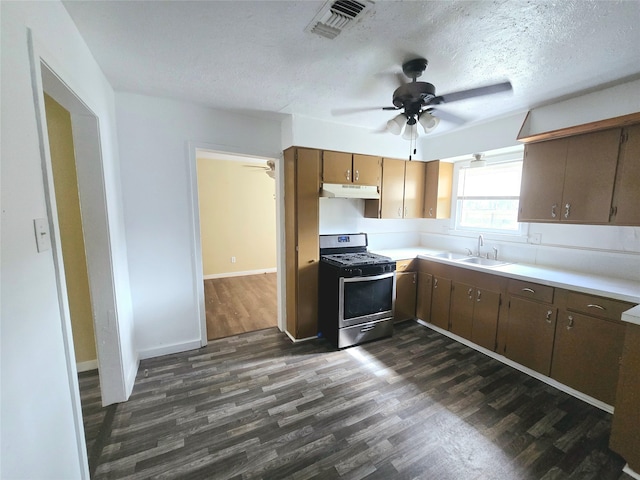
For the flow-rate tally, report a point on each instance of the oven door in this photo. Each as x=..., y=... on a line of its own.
x=364, y=299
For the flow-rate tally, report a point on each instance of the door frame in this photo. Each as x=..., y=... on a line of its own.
x=196, y=259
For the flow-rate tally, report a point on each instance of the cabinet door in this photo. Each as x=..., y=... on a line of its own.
x=392, y=190
x=423, y=296
x=405, y=306
x=589, y=177
x=366, y=169
x=626, y=417
x=542, y=181
x=440, y=300
x=307, y=186
x=586, y=354
x=530, y=332
x=461, y=314
x=414, y=189
x=485, y=318
x=438, y=186
x=336, y=167
x=626, y=195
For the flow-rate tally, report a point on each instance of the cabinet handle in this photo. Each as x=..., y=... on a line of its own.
x=470, y=293
x=570, y=325
x=553, y=210
x=479, y=294
x=348, y=174
x=400, y=212
x=431, y=212
x=567, y=210
x=405, y=211
x=357, y=175
x=367, y=328
x=528, y=290
x=435, y=283
x=594, y=305
x=548, y=317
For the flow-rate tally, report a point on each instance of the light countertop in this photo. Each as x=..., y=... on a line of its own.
x=619, y=289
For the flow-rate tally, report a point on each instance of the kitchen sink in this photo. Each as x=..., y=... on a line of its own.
x=485, y=262
x=451, y=255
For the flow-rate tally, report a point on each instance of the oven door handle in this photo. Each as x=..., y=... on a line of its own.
x=368, y=278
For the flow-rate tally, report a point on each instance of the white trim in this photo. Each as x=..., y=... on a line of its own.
x=532, y=373
x=87, y=366
x=240, y=274
x=632, y=473
x=298, y=340
x=169, y=349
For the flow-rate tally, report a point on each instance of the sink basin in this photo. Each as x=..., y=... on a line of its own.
x=485, y=262
x=451, y=255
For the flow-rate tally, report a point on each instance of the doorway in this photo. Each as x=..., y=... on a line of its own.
x=238, y=238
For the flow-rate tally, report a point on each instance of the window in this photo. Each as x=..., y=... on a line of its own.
x=488, y=198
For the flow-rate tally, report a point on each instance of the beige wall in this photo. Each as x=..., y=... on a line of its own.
x=75, y=263
x=237, y=217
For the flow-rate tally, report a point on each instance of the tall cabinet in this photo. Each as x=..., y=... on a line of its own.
x=302, y=184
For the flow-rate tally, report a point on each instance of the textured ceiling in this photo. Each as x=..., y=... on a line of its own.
x=255, y=57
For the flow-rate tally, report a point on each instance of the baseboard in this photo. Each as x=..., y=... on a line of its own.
x=240, y=274
x=168, y=349
x=632, y=473
x=86, y=366
x=532, y=373
x=297, y=340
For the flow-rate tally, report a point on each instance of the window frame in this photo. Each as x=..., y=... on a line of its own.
x=520, y=235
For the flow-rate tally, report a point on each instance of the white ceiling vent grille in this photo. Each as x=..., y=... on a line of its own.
x=338, y=15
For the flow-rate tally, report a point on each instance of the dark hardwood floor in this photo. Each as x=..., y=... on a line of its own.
x=240, y=304
x=417, y=405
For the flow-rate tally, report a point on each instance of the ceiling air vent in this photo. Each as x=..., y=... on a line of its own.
x=336, y=16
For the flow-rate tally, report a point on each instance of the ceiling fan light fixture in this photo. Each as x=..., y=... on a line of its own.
x=395, y=124
x=428, y=122
x=410, y=132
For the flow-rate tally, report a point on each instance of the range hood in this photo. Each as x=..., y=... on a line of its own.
x=336, y=190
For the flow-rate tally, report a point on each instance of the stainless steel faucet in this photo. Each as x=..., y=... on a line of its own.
x=480, y=243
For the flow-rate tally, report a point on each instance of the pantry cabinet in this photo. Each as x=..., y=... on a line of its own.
x=438, y=187
x=302, y=183
x=345, y=168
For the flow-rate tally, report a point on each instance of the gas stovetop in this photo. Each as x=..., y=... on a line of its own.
x=355, y=259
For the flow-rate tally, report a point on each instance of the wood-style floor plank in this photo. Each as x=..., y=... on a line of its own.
x=414, y=406
x=243, y=304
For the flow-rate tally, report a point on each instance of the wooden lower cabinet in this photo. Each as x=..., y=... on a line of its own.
x=423, y=296
x=405, y=306
x=485, y=318
x=530, y=331
x=626, y=417
x=461, y=312
x=586, y=354
x=440, y=301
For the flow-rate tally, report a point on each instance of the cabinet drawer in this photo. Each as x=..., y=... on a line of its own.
x=596, y=306
x=407, y=265
x=534, y=291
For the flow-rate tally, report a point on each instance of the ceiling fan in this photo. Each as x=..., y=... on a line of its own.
x=419, y=101
x=269, y=168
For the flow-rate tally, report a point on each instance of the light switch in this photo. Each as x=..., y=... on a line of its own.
x=43, y=238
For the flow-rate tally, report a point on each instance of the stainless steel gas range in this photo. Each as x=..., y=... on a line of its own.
x=356, y=291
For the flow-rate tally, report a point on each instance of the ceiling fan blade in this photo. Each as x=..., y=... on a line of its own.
x=390, y=108
x=351, y=111
x=473, y=92
x=447, y=116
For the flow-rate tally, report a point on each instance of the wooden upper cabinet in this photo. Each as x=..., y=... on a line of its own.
x=589, y=177
x=366, y=169
x=438, y=187
x=571, y=179
x=336, y=167
x=414, y=189
x=542, y=181
x=626, y=197
x=392, y=189
x=340, y=167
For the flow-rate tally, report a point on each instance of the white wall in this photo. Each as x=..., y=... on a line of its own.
x=153, y=135
x=38, y=438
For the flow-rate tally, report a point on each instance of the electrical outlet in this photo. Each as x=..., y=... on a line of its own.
x=535, y=239
x=233, y=259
